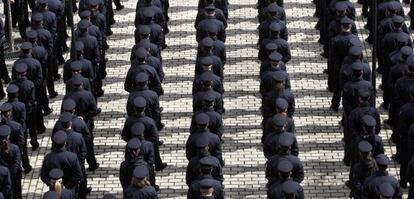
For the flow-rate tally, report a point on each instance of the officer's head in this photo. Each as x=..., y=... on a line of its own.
x=281, y=106
x=279, y=122
x=285, y=142
x=365, y=149
x=410, y=64
x=210, y=10
x=6, y=111
x=363, y=95
x=77, y=83
x=143, y=32
x=206, y=79
x=274, y=59
x=134, y=147
x=141, y=79
x=368, y=126
x=21, y=70
x=270, y=48
x=68, y=105
x=208, y=100
x=280, y=81
x=405, y=52
x=59, y=139
x=391, y=9
x=86, y=14
x=275, y=29
x=289, y=189
x=55, y=176
x=340, y=9
x=273, y=10
x=382, y=162
x=148, y=15
x=79, y=49
x=206, y=187
x=42, y=4
x=346, y=24
x=285, y=169
x=139, y=105
x=357, y=69
x=202, y=143
x=94, y=5
x=140, y=175
x=206, y=165
x=397, y=21
x=385, y=191
x=76, y=67
x=208, y=44
x=37, y=19
x=66, y=120
x=26, y=48
x=141, y=55
x=31, y=36
x=355, y=52
x=5, y=136
x=403, y=39
x=12, y=91
x=137, y=130
x=84, y=25
x=206, y=63
x=202, y=120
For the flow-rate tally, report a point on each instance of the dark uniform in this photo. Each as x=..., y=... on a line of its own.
x=135, y=192
x=211, y=43
x=210, y=24
x=264, y=27
x=274, y=37
x=5, y=181
x=220, y=4
x=271, y=78
x=273, y=62
x=215, y=119
x=212, y=94
x=55, y=176
x=206, y=76
x=91, y=47
x=288, y=189
x=205, y=182
x=209, y=62
x=210, y=10
x=3, y=68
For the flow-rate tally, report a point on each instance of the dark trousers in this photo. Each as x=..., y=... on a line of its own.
x=4, y=74
x=83, y=185
x=31, y=125
x=25, y=156
x=17, y=13
x=117, y=3
x=43, y=104
x=90, y=152
x=16, y=180
x=157, y=155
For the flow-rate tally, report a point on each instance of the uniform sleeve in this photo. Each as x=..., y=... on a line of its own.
x=151, y=156
x=82, y=150
x=218, y=152
x=77, y=171
x=6, y=186
x=44, y=171
x=123, y=177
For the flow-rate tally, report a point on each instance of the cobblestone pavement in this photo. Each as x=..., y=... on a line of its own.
x=318, y=132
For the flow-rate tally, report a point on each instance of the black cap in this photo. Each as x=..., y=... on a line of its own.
x=37, y=17
x=68, y=105
x=369, y=121
x=357, y=66
x=271, y=46
x=355, y=50
x=206, y=161
x=206, y=61
x=346, y=21
x=275, y=27
x=76, y=65
x=397, y=19
x=272, y=7
x=364, y=93
x=364, y=146
x=59, y=138
x=286, y=139
x=340, y=6
x=284, y=166
x=202, y=119
x=137, y=129
x=202, y=141
x=144, y=30
x=85, y=14
x=402, y=37
x=140, y=102
x=210, y=8
x=206, y=77
x=5, y=107
x=65, y=117
x=279, y=120
x=94, y=2
x=207, y=42
x=382, y=159
x=392, y=7
x=79, y=46
x=386, y=190
x=26, y=46
x=290, y=186
x=206, y=183
x=41, y=1
x=141, y=77
x=406, y=51
x=55, y=174
x=144, y=43
x=141, y=53
x=355, y=42
x=275, y=56
x=280, y=76
x=208, y=97
x=141, y=171
x=51, y=195
x=4, y=131
x=148, y=13
x=134, y=143
x=76, y=80
x=109, y=196
x=21, y=68
x=12, y=88
x=281, y=103
x=31, y=34
x=84, y=24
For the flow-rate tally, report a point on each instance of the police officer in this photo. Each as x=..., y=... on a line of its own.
x=286, y=141
x=49, y=18
x=217, y=46
x=285, y=169
x=208, y=90
x=157, y=34
x=206, y=75
x=273, y=62
x=264, y=27
x=135, y=159
x=209, y=62
x=5, y=181
x=210, y=23
x=18, y=108
x=272, y=145
x=19, y=14
x=264, y=12
x=153, y=109
x=91, y=46
x=210, y=10
x=270, y=124
x=76, y=67
x=17, y=135
x=288, y=189
x=203, y=163
x=372, y=182
x=26, y=94
x=56, y=185
x=274, y=37
x=220, y=4
x=362, y=169
x=61, y=158
x=206, y=184
x=202, y=121
x=11, y=158
x=140, y=187
x=151, y=131
x=271, y=78
x=3, y=68
x=159, y=16
x=215, y=119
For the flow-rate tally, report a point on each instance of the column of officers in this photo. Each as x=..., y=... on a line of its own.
x=33, y=75
x=349, y=76
x=284, y=171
